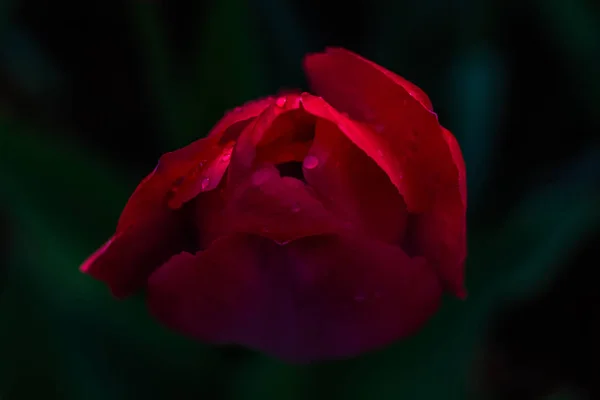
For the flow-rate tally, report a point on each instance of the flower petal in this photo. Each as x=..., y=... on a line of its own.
x=127, y=259
x=459, y=162
x=239, y=114
x=280, y=208
x=322, y=297
x=441, y=233
x=148, y=231
x=280, y=124
x=410, y=87
x=186, y=169
x=401, y=127
x=353, y=187
x=421, y=158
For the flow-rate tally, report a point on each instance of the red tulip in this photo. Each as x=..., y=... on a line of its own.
x=306, y=227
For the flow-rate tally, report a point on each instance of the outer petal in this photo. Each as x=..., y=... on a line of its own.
x=149, y=232
x=410, y=87
x=459, y=162
x=126, y=260
x=401, y=127
x=239, y=115
x=318, y=298
x=353, y=186
x=421, y=158
x=441, y=234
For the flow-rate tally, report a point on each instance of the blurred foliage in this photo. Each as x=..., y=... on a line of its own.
x=85, y=114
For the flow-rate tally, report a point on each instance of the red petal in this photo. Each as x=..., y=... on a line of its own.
x=192, y=169
x=441, y=234
x=282, y=209
x=459, y=162
x=410, y=87
x=401, y=127
x=205, y=173
x=208, y=216
x=422, y=159
x=280, y=122
x=318, y=298
x=287, y=152
x=239, y=114
x=148, y=232
x=353, y=186
x=126, y=260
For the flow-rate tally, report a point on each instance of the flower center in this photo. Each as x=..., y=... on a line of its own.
x=292, y=169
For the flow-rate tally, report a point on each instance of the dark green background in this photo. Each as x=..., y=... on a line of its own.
x=92, y=93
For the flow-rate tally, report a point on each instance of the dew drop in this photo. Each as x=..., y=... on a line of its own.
x=226, y=156
x=204, y=183
x=281, y=101
x=310, y=162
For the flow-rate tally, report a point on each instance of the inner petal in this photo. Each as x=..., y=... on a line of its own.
x=280, y=208
x=278, y=137
x=352, y=185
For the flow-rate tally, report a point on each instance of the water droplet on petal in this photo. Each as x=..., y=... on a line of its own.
x=204, y=183
x=226, y=156
x=282, y=242
x=310, y=162
x=281, y=101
